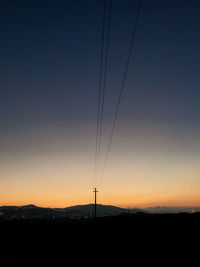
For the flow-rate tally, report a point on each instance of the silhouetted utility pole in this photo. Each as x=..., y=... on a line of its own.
x=95, y=202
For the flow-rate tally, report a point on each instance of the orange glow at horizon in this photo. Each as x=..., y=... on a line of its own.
x=149, y=169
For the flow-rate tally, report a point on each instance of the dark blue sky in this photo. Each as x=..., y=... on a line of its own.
x=50, y=53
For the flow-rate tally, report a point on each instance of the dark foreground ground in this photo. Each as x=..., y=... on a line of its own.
x=133, y=240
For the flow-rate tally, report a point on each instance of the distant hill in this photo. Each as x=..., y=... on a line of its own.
x=102, y=210
x=164, y=209
x=32, y=211
x=82, y=211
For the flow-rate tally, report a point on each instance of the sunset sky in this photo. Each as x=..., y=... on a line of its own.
x=49, y=68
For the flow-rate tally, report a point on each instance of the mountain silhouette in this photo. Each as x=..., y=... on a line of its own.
x=32, y=211
x=166, y=209
x=80, y=211
x=102, y=210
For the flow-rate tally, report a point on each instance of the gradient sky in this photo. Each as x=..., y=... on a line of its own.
x=49, y=67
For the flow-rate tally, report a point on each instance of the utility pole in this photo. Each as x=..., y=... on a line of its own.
x=95, y=202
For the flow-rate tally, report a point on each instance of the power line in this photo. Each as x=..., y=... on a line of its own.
x=99, y=90
x=132, y=41
x=104, y=86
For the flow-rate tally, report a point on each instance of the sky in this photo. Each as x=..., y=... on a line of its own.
x=49, y=78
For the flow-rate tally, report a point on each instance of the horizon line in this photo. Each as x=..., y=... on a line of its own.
x=156, y=206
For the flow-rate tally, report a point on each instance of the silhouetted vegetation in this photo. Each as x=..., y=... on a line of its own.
x=125, y=240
